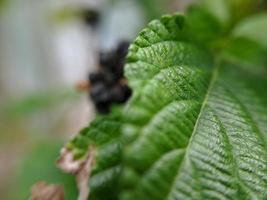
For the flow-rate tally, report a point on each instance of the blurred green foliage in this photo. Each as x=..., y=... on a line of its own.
x=3, y=5
x=16, y=118
x=67, y=14
x=37, y=102
x=2, y=2
x=154, y=8
x=151, y=8
x=39, y=165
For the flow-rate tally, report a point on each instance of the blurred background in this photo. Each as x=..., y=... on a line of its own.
x=46, y=47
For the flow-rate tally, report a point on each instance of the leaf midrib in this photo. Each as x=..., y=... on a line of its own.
x=214, y=78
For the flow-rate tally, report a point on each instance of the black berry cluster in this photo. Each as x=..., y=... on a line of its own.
x=107, y=85
x=90, y=17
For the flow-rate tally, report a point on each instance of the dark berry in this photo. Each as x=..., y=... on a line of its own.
x=111, y=78
x=119, y=93
x=91, y=17
x=122, y=48
x=99, y=93
x=106, y=85
x=96, y=77
x=108, y=60
x=103, y=108
x=116, y=94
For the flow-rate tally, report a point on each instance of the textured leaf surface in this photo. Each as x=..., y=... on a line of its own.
x=196, y=129
x=103, y=134
x=196, y=125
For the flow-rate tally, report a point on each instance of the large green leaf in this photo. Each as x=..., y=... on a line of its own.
x=196, y=125
x=196, y=129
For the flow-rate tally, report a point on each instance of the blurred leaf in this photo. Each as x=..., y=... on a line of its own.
x=219, y=9
x=64, y=15
x=68, y=13
x=229, y=12
x=151, y=8
x=3, y=3
x=4, y=6
x=246, y=53
x=205, y=26
x=243, y=8
x=37, y=102
x=253, y=28
x=247, y=45
x=39, y=165
x=155, y=8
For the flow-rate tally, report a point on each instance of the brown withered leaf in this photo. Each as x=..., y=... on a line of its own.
x=44, y=191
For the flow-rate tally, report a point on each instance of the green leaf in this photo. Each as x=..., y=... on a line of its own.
x=206, y=27
x=196, y=124
x=103, y=135
x=219, y=9
x=247, y=45
x=242, y=8
x=253, y=28
x=37, y=102
x=195, y=129
x=245, y=53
